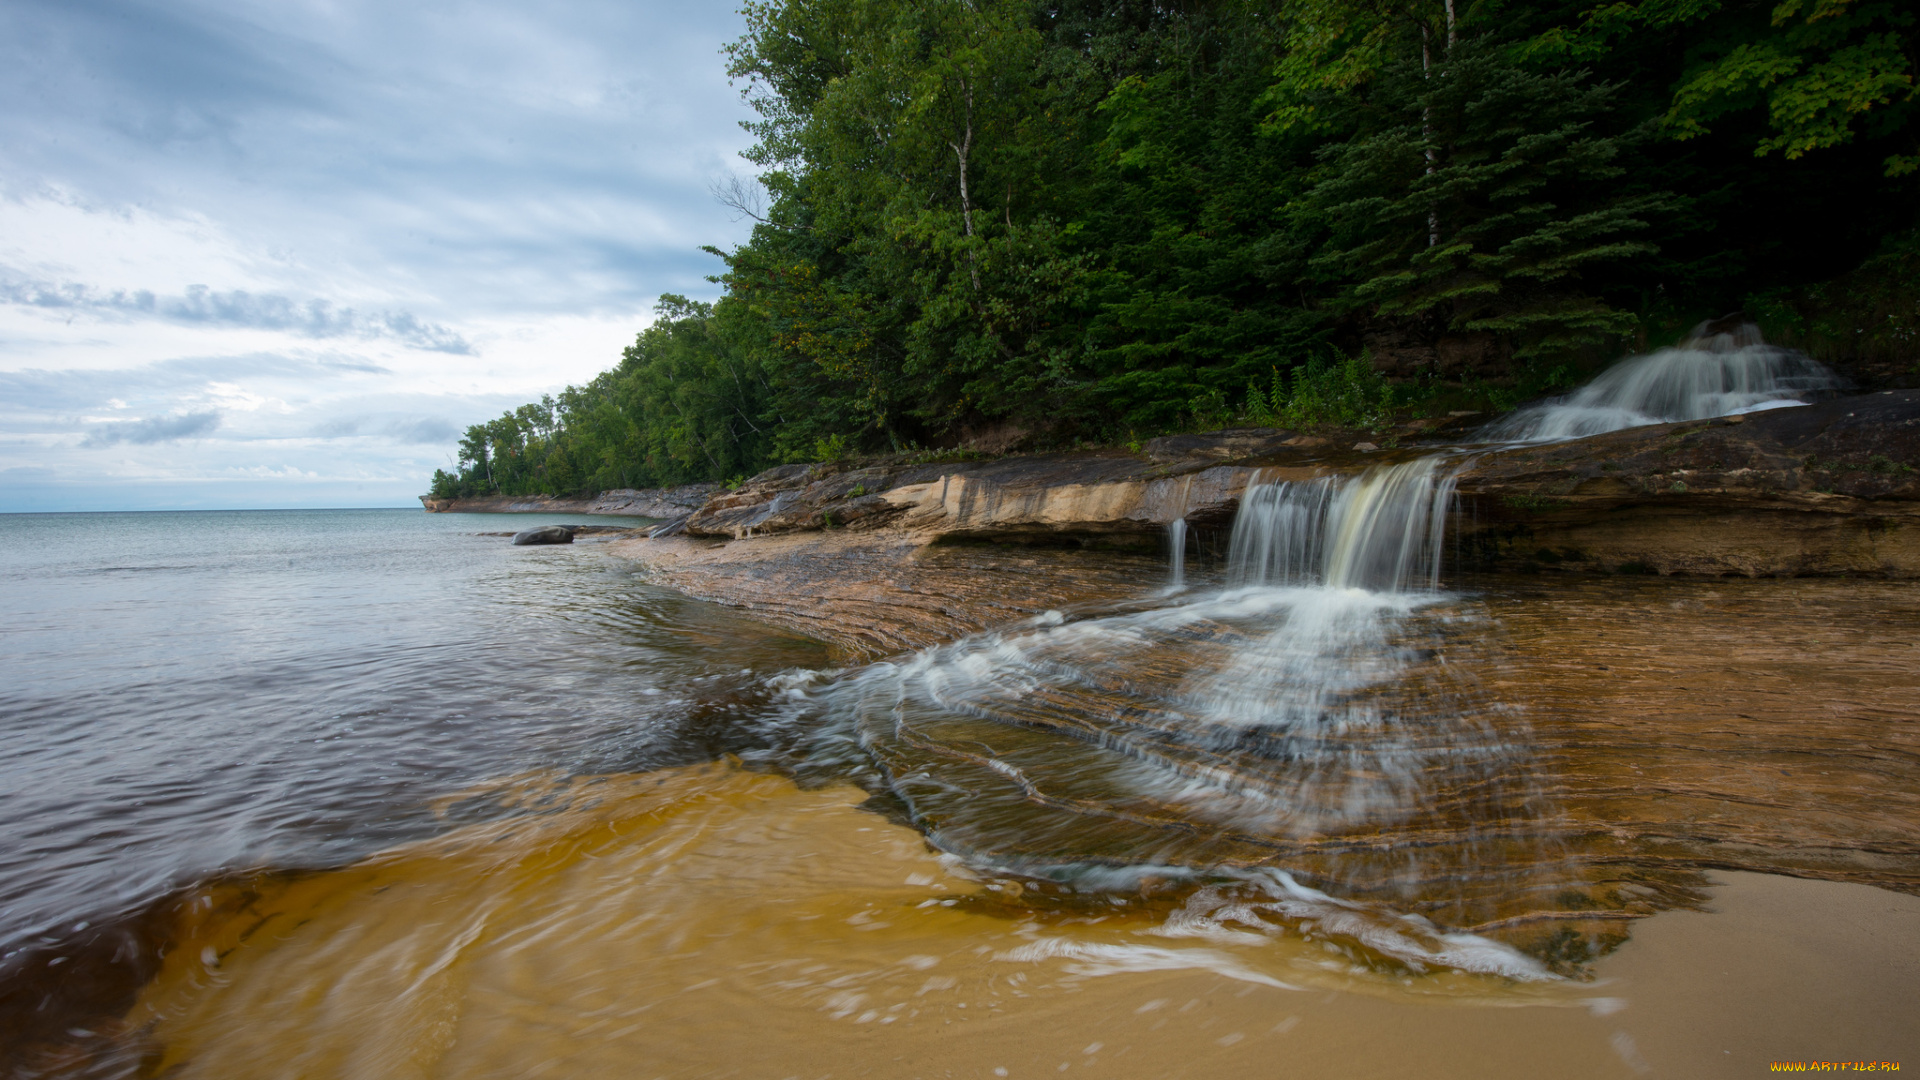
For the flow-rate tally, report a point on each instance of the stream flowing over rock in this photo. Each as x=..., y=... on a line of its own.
x=1309, y=721
x=1723, y=368
x=1318, y=739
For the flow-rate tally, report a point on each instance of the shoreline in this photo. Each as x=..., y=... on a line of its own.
x=662, y=503
x=1711, y=993
x=1831, y=489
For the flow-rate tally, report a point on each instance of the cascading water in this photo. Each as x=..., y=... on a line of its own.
x=1177, y=541
x=1379, y=530
x=1723, y=368
x=1296, y=720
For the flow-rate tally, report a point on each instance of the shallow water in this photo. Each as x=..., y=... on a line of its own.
x=369, y=795
x=195, y=693
x=711, y=922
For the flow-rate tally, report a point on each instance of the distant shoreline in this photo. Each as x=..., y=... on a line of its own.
x=661, y=503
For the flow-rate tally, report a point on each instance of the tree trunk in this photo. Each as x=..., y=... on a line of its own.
x=1426, y=124
x=961, y=151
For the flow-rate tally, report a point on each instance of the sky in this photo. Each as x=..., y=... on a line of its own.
x=279, y=254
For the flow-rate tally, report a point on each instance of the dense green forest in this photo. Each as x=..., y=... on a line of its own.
x=989, y=222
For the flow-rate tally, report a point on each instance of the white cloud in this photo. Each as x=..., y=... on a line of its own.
x=158, y=429
x=319, y=237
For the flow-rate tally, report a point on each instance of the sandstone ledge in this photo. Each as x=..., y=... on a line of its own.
x=651, y=502
x=1828, y=489
x=882, y=559
x=1820, y=489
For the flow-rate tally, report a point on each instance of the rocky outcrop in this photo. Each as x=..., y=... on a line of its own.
x=1820, y=489
x=873, y=593
x=650, y=502
x=1096, y=496
x=654, y=502
x=1832, y=488
x=505, y=504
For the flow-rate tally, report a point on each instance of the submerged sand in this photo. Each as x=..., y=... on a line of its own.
x=717, y=922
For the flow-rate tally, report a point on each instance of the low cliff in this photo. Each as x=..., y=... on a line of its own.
x=1830, y=488
x=1104, y=497
x=652, y=502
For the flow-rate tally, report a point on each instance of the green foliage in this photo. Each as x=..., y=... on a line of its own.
x=1525, y=382
x=1822, y=71
x=1099, y=220
x=831, y=448
x=1869, y=315
x=1349, y=393
x=1474, y=192
x=686, y=403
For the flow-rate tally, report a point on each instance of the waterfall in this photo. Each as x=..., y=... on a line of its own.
x=1322, y=701
x=1722, y=368
x=1379, y=530
x=1311, y=693
x=1177, y=538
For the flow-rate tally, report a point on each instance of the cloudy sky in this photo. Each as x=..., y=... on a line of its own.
x=270, y=254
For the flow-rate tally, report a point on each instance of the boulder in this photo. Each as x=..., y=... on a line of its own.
x=543, y=534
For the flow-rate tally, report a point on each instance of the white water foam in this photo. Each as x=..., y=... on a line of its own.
x=1719, y=370
x=1309, y=654
x=1281, y=904
x=1314, y=695
x=1098, y=958
x=1177, y=540
x=1379, y=530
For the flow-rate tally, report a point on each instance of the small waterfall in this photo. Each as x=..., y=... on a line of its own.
x=1723, y=368
x=1380, y=530
x=1177, y=539
x=1303, y=720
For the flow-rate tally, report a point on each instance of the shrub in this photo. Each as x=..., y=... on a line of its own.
x=1350, y=393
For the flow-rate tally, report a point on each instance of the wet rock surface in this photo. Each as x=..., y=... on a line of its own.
x=650, y=502
x=1745, y=725
x=1831, y=488
x=873, y=594
x=545, y=534
x=1636, y=732
x=1629, y=734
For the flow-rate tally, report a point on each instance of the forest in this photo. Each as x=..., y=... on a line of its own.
x=982, y=225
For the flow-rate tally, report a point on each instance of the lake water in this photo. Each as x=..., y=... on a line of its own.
x=372, y=794
x=194, y=693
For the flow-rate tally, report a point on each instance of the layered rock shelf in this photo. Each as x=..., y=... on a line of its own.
x=1827, y=489
x=1651, y=729
x=1839, y=477
x=651, y=503
x=884, y=557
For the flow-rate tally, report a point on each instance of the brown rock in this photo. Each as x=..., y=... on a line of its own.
x=1822, y=489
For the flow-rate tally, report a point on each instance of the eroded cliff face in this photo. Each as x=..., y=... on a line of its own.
x=1079, y=495
x=670, y=502
x=1825, y=489
x=1821, y=489
x=1098, y=497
